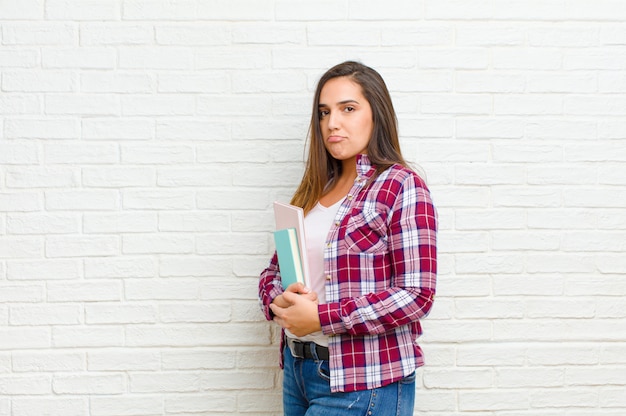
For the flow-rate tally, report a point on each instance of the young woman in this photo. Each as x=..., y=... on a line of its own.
x=349, y=344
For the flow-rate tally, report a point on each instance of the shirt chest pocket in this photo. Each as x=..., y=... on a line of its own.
x=365, y=232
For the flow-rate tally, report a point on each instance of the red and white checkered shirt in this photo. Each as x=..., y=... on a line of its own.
x=380, y=262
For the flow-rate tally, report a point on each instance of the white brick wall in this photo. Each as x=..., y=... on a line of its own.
x=142, y=143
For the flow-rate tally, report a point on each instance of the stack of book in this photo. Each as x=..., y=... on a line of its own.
x=290, y=246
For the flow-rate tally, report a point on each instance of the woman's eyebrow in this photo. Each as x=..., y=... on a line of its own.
x=339, y=103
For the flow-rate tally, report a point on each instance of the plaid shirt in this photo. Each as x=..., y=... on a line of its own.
x=380, y=263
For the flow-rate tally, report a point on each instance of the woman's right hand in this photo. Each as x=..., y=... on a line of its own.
x=297, y=288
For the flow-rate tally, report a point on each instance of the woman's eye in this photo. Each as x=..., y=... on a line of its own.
x=323, y=113
x=349, y=109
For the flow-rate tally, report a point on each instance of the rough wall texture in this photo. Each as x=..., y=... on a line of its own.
x=142, y=143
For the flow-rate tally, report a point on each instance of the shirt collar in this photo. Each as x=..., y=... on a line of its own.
x=364, y=166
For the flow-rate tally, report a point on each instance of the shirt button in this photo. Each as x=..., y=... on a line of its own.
x=337, y=223
x=349, y=197
x=328, y=277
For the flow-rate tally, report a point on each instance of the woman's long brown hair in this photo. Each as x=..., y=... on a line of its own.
x=383, y=149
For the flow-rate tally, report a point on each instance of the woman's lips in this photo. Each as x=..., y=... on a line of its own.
x=334, y=139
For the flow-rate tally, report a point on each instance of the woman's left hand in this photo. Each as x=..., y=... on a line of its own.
x=300, y=317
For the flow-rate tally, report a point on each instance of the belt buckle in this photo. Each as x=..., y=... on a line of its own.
x=296, y=347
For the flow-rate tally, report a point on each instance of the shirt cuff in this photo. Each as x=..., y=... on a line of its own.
x=330, y=319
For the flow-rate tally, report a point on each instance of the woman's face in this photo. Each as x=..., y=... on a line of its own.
x=346, y=118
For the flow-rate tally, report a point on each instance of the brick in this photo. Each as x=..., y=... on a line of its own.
x=247, y=380
x=158, y=200
x=205, y=402
x=123, y=360
x=115, y=33
x=24, y=10
x=287, y=10
x=162, y=244
x=18, y=154
x=253, y=199
x=228, y=244
x=492, y=35
x=533, y=285
x=161, y=289
x=83, y=104
x=533, y=59
x=47, y=269
x=18, y=104
x=229, y=105
x=193, y=130
x=189, y=312
x=107, y=82
x=89, y=384
x=611, y=82
x=473, y=82
x=24, y=338
x=42, y=178
x=459, y=379
x=161, y=105
x=118, y=177
x=44, y=81
x=212, y=359
x=458, y=9
x=126, y=405
x=194, y=266
x=353, y=35
x=550, y=10
x=215, y=82
x=48, y=361
x=83, y=58
x=148, y=57
x=190, y=177
x=492, y=400
x=19, y=58
x=520, y=241
x=119, y=314
x=194, y=221
x=82, y=246
x=52, y=34
x=157, y=10
x=54, y=406
x=267, y=82
x=55, y=128
x=564, y=398
x=462, y=242
x=157, y=154
x=179, y=382
x=459, y=58
x=81, y=200
x=140, y=222
x=509, y=354
x=202, y=34
x=84, y=291
x=527, y=153
x=90, y=336
x=82, y=10
x=273, y=33
x=490, y=263
x=45, y=315
x=120, y=267
x=21, y=247
x=21, y=293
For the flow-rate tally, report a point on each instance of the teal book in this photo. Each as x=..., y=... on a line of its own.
x=289, y=260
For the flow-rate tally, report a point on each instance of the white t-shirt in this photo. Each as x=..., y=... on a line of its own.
x=317, y=224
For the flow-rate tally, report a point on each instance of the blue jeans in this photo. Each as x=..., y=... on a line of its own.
x=306, y=391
